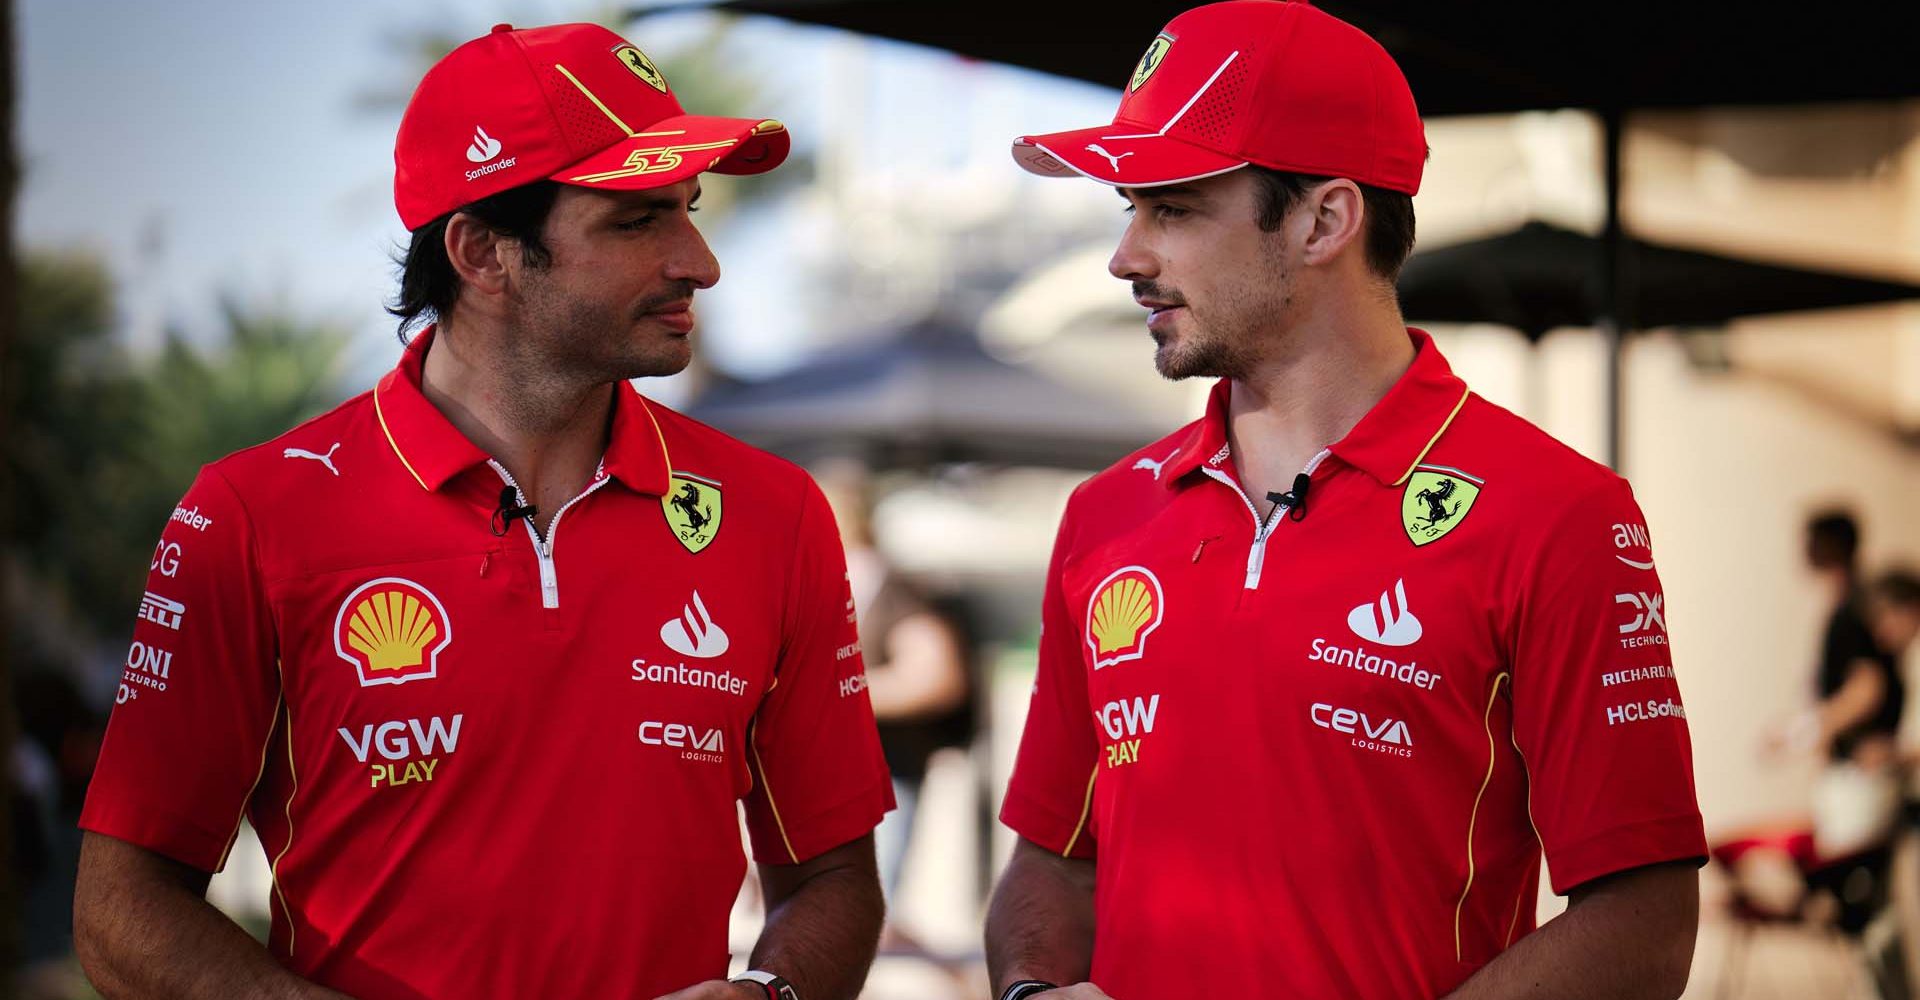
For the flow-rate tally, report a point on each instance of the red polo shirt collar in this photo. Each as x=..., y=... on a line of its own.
x=1386, y=444
x=435, y=452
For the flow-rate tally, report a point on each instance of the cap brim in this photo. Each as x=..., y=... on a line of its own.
x=674, y=149
x=1113, y=154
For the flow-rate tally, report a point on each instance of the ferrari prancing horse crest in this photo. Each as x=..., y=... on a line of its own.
x=1436, y=500
x=692, y=506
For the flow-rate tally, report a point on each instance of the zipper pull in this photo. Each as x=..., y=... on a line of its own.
x=1202, y=547
x=486, y=559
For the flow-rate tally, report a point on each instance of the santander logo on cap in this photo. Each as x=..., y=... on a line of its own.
x=484, y=147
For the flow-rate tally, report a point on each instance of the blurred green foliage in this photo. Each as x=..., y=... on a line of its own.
x=104, y=441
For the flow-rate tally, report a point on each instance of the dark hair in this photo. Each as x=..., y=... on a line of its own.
x=1389, y=215
x=1897, y=587
x=429, y=286
x=1833, y=539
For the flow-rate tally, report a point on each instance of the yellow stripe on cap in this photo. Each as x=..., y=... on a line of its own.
x=596, y=101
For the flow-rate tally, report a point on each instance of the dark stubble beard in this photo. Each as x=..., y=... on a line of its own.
x=1201, y=353
x=586, y=341
x=1227, y=345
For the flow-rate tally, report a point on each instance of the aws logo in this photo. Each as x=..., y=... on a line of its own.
x=1125, y=609
x=392, y=631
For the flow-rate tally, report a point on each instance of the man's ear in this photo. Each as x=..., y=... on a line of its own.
x=1338, y=210
x=477, y=253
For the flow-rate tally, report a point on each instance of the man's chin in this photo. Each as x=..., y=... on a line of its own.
x=659, y=364
x=1176, y=365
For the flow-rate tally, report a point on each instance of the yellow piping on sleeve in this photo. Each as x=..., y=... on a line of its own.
x=278, y=891
x=266, y=748
x=1474, y=817
x=1086, y=809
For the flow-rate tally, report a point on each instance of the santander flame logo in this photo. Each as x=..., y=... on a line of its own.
x=694, y=633
x=1394, y=625
x=484, y=148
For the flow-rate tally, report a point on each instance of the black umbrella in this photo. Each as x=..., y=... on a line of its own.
x=929, y=395
x=1492, y=56
x=1540, y=277
x=1489, y=57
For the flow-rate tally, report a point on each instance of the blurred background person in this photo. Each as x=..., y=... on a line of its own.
x=50, y=767
x=919, y=675
x=1893, y=611
x=1893, y=615
x=1844, y=854
x=1861, y=698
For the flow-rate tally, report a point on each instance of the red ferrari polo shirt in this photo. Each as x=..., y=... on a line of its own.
x=1320, y=755
x=484, y=763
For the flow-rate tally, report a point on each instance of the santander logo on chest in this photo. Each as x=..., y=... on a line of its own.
x=1391, y=623
x=1388, y=622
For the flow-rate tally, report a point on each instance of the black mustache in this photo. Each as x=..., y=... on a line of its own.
x=682, y=292
x=1156, y=293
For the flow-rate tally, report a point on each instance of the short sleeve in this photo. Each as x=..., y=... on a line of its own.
x=819, y=778
x=1050, y=797
x=1847, y=642
x=199, y=689
x=1597, y=712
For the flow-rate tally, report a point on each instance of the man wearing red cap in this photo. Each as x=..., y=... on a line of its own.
x=1325, y=672
x=482, y=763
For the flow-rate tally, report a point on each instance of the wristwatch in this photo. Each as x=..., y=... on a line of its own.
x=777, y=988
x=1026, y=988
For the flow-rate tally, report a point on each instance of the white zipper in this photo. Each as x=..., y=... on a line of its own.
x=543, y=547
x=1257, y=555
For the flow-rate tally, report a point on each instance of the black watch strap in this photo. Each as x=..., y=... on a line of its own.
x=1026, y=988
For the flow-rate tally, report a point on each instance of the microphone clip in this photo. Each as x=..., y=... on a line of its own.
x=1294, y=500
x=510, y=508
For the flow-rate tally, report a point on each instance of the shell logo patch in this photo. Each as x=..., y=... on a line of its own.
x=1125, y=609
x=392, y=631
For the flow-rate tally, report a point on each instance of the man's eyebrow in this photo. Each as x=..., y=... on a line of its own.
x=1163, y=191
x=657, y=202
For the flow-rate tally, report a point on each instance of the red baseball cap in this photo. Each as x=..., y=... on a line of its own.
x=574, y=103
x=1280, y=84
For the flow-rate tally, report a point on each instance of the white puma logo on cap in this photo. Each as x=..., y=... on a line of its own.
x=1094, y=147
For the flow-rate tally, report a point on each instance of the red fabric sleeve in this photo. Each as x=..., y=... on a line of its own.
x=1050, y=797
x=1597, y=713
x=199, y=691
x=819, y=778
